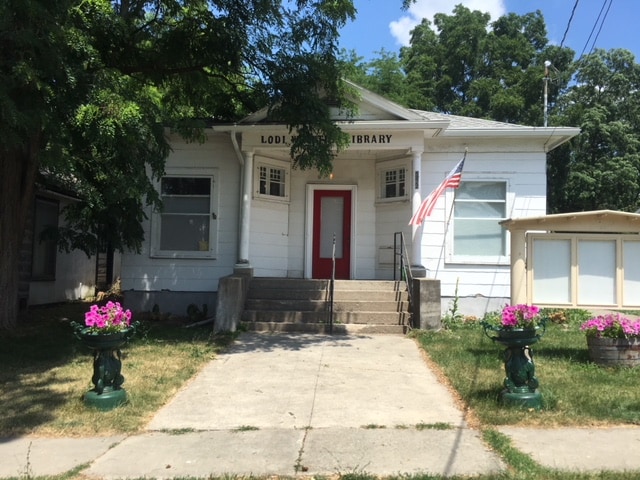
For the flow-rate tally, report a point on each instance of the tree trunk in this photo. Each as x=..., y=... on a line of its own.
x=18, y=168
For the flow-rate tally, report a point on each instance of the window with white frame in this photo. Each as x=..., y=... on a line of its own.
x=271, y=180
x=392, y=180
x=479, y=207
x=186, y=226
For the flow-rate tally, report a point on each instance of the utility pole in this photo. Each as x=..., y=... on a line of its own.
x=547, y=64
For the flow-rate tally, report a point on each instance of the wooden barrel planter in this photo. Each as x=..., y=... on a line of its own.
x=614, y=351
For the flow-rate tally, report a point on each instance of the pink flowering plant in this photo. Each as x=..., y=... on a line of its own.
x=611, y=326
x=520, y=316
x=109, y=318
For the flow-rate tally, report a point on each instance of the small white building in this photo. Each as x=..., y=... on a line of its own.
x=48, y=275
x=235, y=203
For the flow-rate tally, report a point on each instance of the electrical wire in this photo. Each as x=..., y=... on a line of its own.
x=595, y=25
x=573, y=11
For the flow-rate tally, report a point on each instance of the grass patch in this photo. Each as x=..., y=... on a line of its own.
x=245, y=428
x=575, y=391
x=434, y=426
x=46, y=370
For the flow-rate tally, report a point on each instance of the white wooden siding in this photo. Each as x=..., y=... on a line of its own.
x=141, y=272
x=525, y=174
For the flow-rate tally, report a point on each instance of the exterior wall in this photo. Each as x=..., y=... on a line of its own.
x=279, y=239
x=75, y=276
x=480, y=287
x=75, y=280
x=149, y=281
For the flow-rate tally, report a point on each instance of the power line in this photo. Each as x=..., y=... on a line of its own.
x=595, y=25
x=573, y=11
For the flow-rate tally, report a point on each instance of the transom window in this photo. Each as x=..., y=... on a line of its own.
x=392, y=180
x=186, y=225
x=394, y=183
x=272, y=180
x=478, y=209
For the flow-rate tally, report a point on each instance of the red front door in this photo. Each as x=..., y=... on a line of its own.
x=331, y=219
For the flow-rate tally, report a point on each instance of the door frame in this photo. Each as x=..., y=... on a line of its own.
x=308, y=233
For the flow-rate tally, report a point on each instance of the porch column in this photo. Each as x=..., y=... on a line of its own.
x=245, y=211
x=417, y=269
x=518, y=267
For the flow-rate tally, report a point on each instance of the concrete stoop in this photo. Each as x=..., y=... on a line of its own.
x=302, y=305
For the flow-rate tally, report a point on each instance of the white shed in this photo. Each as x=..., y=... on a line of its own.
x=582, y=259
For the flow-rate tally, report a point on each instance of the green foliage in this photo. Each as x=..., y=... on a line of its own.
x=600, y=169
x=467, y=68
x=103, y=80
x=89, y=88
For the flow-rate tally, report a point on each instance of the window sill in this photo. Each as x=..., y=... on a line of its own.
x=478, y=260
x=271, y=199
x=392, y=201
x=184, y=255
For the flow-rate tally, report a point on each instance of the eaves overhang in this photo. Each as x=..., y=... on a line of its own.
x=596, y=221
x=553, y=136
x=431, y=128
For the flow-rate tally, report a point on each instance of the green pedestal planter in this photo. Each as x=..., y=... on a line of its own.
x=107, y=392
x=520, y=383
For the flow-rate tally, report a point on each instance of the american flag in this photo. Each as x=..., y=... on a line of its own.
x=452, y=180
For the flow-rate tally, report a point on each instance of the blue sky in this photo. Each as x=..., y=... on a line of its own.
x=382, y=24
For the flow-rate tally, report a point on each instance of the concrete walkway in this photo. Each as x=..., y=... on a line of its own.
x=308, y=405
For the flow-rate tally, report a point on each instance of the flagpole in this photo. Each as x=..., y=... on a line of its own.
x=446, y=226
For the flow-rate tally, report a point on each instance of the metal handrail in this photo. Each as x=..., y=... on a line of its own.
x=331, y=283
x=400, y=250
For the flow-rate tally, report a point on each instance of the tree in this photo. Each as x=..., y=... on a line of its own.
x=88, y=87
x=469, y=66
x=599, y=169
x=383, y=74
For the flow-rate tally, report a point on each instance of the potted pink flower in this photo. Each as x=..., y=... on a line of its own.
x=521, y=316
x=517, y=327
x=520, y=323
x=110, y=318
x=106, y=328
x=613, y=339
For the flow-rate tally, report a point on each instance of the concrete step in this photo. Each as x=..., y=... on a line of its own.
x=321, y=295
x=346, y=329
x=295, y=316
x=313, y=284
x=293, y=304
x=321, y=305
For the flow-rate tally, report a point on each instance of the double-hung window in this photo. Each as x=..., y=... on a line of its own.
x=478, y=209
x=186, y=226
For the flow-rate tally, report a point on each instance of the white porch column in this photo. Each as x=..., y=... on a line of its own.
x=518, y=267
x=417, y=269
x=245, y=211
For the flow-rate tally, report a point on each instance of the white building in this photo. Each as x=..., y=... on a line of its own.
x=234, y=202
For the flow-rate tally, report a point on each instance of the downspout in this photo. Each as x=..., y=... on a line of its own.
x=246, y=163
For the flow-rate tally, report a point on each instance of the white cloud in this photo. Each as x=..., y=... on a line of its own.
x=401, y=29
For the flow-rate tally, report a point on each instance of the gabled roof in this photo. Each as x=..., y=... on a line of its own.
x=601, y=221
x=371, y=108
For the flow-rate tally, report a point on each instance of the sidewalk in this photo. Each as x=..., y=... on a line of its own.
x=308, y=405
